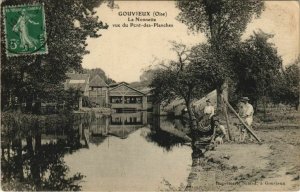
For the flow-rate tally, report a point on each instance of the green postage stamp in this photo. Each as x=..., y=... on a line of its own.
x=25, y=30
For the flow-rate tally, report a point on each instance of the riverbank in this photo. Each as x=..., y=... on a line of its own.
x=100, y=110
x=272, y=166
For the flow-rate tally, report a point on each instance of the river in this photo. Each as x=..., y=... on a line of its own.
x=128, y=157
x=119, y=152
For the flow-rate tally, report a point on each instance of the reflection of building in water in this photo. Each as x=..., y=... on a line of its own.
x=139, y=118
x=99, y=126
x=118, y=124
x=122, y=124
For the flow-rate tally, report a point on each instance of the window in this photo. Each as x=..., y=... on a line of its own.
x=139, y=100
x=116, y=99
x=116, y=121
x=133, y=99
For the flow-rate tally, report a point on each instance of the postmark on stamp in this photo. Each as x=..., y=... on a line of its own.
x=25, y=30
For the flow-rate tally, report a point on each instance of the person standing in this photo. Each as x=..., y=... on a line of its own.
x=246, y=114
x=248, y=111
x=209, y=109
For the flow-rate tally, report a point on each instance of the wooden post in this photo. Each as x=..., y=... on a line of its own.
x=223, y=97
x=226, y=117
x=241, y=120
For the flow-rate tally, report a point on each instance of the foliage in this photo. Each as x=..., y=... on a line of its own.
x=176, y=79
x=206, y=64
x=222, y=21
x=145, y=79
x=43, y=169
x=100, y=72
x=29, y=124
x=256, y=65
x=86, y=102
x=58, y=179
x=286, y=86
x=189, y=78
x=195, y=74
x=70, y=99
x=140, y=84
x=147, y=75
x=36, y=76
x=40, y=167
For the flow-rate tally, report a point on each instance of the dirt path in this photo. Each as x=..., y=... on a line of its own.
x=272, y=166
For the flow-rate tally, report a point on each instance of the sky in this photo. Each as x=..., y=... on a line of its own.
x=124, y=52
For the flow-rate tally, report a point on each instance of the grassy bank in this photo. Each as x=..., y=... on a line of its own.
x=272, y=166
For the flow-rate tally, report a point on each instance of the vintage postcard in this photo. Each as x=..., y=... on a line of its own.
x=140, y=95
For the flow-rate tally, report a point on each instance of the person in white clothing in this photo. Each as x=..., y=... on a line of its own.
x=209, y=109
x=247, y=111
x=208, y=113
x=246, y=114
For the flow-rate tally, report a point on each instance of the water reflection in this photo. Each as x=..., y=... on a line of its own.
x=137, y=152
x=166, y=133
x=123, y=151
x=35, y=162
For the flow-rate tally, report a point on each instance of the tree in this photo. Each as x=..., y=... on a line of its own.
x=34, y=76
x=223, y=22
x=292, y=76
x=187, y=78
x=286, y=87
x=145, y=78
x=256, y=66
x=100, y=72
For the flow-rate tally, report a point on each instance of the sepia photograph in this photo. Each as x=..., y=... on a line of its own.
x=150, y=95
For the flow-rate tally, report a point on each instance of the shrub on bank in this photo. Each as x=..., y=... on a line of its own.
x=17, y=125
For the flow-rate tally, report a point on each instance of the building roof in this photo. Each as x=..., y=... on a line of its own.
x=147, y=90
x=116, y=84
x=124, y=84
x=77, y=81
x=113, y=85
x=97, y=81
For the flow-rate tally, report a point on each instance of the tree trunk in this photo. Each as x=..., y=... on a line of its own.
x=38, y=142
x=29, y=145
x=222, y=91
x=219, y=99
x=222, y=94
x=19, y=159
x=9, y=160
x=227, y=119
x=192, y=118
x=35, y=162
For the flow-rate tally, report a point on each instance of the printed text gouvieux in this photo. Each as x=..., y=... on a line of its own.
x=134, y=13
